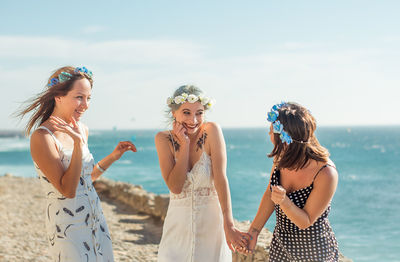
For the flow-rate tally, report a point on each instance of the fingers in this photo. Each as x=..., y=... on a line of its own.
x=243, y=240
x=278, y=189
x=58, y=120
x=74, y=123
x=127, y=145
x=230, y=246
x=278, y=194
x=179, y=130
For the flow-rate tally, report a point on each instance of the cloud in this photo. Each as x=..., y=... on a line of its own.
x=134, y=77
x=141, y=52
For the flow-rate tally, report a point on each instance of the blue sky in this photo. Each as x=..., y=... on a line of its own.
x=339, y=58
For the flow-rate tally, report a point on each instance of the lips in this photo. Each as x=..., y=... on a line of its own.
x=79, y=112
x=191, y=126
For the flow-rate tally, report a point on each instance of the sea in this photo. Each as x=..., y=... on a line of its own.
x=365, y=213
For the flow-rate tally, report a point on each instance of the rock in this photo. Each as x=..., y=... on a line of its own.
x=157, y=205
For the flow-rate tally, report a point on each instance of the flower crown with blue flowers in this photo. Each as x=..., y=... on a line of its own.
x=277, y=126
x=65, y=76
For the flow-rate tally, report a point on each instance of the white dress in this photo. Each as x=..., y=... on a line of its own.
x=76, y=228
x=193, y=228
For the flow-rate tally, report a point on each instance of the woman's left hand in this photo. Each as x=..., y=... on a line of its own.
x=121, y=148
x=278, y=194
x=235, y=238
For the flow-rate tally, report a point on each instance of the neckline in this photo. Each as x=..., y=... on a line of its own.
x=198, y=161
x=292, y=192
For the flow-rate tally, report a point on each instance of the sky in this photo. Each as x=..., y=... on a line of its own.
x=340, y=59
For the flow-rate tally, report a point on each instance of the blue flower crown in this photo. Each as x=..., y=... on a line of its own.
x=277, y=126
x=65, y=76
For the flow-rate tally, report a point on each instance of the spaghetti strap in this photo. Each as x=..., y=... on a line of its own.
x=326, y=165
x=58, y=143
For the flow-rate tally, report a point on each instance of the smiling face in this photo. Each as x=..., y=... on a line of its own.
x=76, y=101
x=191, y=116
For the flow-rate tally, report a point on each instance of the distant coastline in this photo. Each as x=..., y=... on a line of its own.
x=12, y=133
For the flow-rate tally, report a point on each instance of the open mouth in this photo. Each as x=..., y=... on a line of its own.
x=191, y=126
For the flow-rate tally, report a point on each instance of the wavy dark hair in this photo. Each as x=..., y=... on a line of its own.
x=42, y=105
x=300, y=125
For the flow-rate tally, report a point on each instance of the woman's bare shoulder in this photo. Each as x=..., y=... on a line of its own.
x=162, y=136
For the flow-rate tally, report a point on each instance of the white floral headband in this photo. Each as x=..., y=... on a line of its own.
x=182, y=98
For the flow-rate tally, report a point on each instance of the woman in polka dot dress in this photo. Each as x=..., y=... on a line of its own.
x=302, y=184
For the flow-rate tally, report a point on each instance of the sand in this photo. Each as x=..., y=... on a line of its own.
x=135, y=236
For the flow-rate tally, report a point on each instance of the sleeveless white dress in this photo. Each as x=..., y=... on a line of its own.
x=193, y=228
x=76, y=228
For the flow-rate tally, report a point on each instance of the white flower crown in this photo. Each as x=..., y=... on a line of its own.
x=180, y=99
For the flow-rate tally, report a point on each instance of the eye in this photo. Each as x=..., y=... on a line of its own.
x=186, y=113
x=79, y=97
x=89, y=98
x=200, y=113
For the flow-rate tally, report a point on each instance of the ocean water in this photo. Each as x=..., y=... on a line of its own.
x=365, y=212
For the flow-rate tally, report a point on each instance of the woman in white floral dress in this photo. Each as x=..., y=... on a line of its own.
x=75, y=224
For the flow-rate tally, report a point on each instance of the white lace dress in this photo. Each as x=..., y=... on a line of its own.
x=76, y=228
x=193, y=228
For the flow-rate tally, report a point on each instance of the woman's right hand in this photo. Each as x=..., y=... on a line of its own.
x=62, y=126
x=181, y=133
x=251, y=242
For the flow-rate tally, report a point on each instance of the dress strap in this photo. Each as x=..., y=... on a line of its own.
x=173, y=143
x=58, y=143
x=326, y=165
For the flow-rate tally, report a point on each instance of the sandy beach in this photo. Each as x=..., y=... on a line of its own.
x=135, y=236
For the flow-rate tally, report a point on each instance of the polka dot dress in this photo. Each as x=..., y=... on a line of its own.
x=290, y=243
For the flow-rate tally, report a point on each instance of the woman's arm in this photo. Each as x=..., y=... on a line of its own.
x=174, y=174
x=218, y=159
x=264, y=212
x=324, y=188
x=219, y=162
x=45, y=154
x=106, y=162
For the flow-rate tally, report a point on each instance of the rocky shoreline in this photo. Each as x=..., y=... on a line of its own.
x=134, y=217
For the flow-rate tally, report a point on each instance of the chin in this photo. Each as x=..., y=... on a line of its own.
x=192, y=131
x=77, y=117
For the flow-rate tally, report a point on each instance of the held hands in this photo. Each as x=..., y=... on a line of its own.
x=236, y=239
x=121, y=148
x=251, y=237
x=62, y=126
x=278, y=195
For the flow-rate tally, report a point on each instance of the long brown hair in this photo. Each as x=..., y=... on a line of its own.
x=42, y=105
x=300, y=125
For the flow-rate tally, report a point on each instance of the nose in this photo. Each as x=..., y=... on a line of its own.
x=194, y=120
x=85, y=104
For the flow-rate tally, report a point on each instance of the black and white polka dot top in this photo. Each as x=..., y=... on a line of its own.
x=290, y=243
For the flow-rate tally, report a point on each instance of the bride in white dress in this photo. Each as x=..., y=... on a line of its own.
x=199, y=223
